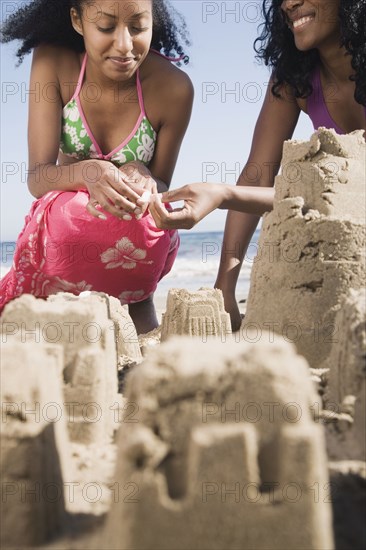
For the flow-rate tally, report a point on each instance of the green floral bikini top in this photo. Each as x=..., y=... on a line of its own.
x=77, y=139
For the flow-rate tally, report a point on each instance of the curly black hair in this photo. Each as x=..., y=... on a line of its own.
x=49, y=22
x=276, y=46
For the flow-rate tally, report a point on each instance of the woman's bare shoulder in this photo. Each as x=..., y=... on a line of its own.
x=57, y=64
x=57, y=54
x=165, y=76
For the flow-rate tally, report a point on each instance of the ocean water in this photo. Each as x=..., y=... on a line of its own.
x=198, y=261
x=196, y=265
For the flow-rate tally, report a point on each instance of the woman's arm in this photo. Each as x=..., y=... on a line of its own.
x=202, y=198
x=44, y=128
x=276, y=123
x=175, y=99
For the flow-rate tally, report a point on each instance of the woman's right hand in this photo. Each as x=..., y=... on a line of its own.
x=108, y=190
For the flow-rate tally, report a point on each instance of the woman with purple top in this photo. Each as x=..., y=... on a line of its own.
x=317, y=52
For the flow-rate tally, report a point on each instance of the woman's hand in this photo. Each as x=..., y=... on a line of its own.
x=199, y=200
x=137, y=175
x=108, y=190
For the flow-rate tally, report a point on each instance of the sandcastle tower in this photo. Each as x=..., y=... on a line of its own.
x=347, y=359
x=85, y=330
x=312, y=245
x=200, y=313
x=225, y=452
x=346, y=391
x=125, y=336
x=35, y=450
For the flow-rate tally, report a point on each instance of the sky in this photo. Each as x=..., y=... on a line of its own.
x=229, y=89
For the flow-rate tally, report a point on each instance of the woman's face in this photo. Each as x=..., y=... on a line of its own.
x=117, y=34
x=314, y=23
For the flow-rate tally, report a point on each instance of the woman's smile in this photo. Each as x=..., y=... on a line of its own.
x=122, y=63
x=302, y=21
x=313, y=23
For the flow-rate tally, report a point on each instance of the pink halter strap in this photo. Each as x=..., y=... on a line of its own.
x=174, y=59
x=81, y=78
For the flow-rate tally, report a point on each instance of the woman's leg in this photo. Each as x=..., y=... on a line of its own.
x=143, y=315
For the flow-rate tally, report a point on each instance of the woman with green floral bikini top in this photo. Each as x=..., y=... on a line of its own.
x=93, y=232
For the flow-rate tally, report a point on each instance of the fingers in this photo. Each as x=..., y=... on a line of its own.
x=123, y=188
x=122, y=208
x=111, y=194
x=120, y=202
x=127, y=192
x=95, y=206
x=180, y=218
x=137, y=176
x=134, y=171
x=142, y=204
x=140, y=193
x=161, y=220
x=175, y=195
x=92, y=208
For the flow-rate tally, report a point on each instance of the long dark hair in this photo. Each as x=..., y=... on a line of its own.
x=48, y=22
x=276, y=46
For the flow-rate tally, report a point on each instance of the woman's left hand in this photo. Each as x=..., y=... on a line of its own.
x=199, y=200
x=139, y=178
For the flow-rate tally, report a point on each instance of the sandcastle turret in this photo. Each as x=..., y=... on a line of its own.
x=224, y=452
x=35, y=451
x=85, y=330
x=195, y=313
x=312, y=245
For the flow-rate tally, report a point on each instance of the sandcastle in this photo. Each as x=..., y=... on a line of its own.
x=221, y=441
x=92, y=331
x=88, y=342
x=346, y=391
x=60, y=409
x=347, y=359
x=238, y=466
x=121, y=326
x=199, y=313
x=312, y=245
x=35, y=451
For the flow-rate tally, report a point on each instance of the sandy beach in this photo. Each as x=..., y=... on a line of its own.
x=253, y=439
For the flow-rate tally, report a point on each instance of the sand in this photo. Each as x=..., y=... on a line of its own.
x=199, y=450
x=177, y=460
x=313, y=244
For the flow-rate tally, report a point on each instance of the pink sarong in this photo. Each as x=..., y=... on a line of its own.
x=62, y=248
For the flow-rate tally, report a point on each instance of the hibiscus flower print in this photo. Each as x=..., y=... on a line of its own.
x=131, y=296
x=45, y=285
x=79, y=146
x=124, y=255
x=93, y=153
x=71, y=112
x=120, y=157
x=145, y=151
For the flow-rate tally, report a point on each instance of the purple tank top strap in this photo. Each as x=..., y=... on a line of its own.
x=316, y=106
x=313, y=101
